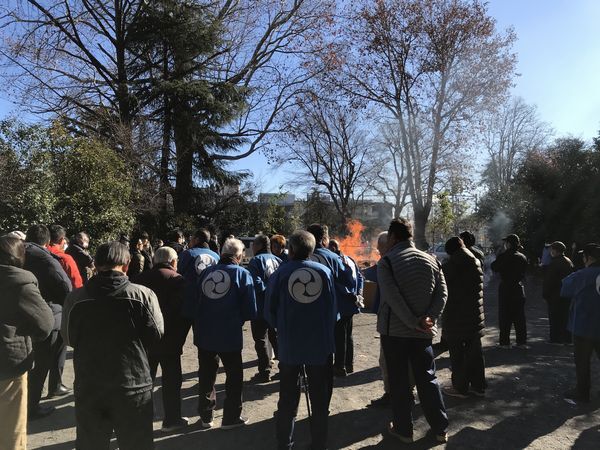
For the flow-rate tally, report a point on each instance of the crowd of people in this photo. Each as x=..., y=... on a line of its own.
x=129, y=309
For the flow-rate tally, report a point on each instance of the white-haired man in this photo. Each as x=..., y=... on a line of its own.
x=169, y=287
x=225, y=301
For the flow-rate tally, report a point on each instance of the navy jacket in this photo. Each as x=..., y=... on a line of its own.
x=225, y=301
x=342, y=279
x=262, y=266
x=301, y=303
x=583, y=287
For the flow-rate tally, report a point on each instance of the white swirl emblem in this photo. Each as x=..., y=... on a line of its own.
x=203, y=262
x=216, y=285
x=271, y=266
x=319, y=258
x=305, y=285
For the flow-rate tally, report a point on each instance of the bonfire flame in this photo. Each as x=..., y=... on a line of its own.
x=354, y=246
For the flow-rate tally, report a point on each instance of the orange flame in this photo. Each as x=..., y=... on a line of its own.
x=354, y=246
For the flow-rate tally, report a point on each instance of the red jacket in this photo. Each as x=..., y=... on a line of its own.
x=68, y=264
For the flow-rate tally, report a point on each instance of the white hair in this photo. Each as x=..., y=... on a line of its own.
x=233, y=247
x=164, y=255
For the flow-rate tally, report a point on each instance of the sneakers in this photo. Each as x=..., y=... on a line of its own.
x=380, y=402
x=400, y=437
x=452, y=392
x=206, y=422
x=236, y=423
x=349, y=369
x=181, y=423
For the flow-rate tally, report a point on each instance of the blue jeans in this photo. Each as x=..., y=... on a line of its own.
x=320, y=382
x=398, y=352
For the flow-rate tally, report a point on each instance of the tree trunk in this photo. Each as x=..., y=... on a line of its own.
x=421, y=219
x=184, y=183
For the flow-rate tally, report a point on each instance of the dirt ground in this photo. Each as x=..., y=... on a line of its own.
x=524, y=407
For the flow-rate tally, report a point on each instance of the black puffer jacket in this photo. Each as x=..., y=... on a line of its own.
x=53, y=281
x=169, y=286
x=512, y=267
x=463, y=316
x=24, y=315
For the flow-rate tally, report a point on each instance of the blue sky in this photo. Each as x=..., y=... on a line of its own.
x=558, y=48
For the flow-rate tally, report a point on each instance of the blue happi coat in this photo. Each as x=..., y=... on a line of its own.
x=301, y=303
x=342, y=279
x=262, y=266
x=224, y=302
x=583, y=288
x=192, y=262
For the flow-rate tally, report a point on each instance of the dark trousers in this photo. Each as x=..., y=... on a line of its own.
x=170, y=365
x=398, y=353
x=320, y=386
x=262, y=334
x=208, y=363
x=49, y=358
x=344, y=345
x=558, y=316
x=512, y=311
x=468, y=366
x=584, y=347
x=99, y=413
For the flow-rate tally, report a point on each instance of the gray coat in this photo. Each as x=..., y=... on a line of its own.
x=411, y=286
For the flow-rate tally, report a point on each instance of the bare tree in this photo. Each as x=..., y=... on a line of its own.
x=331, y=151
x=432, y=66
x=389, y=169
x=76, y=59
x=510, y=134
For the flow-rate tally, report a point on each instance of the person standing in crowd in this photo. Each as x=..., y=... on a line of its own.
x=58, y=243
x=413, y=295
x=169, y=287
x=147, y=249
x=468, y=239
x=546, y=257
x=278, y=244
x=577, y=256
x=511, y=264
x=78, y=250
x=225, y=301
x=24, y=316
x=113, y=389
x=301, y=303
x=194, y=260
x=583, y=288
x=463, y=320
x=213, y=243
x=344, y=344
x=137, y=262
x=262, y=266
x=176, y=240
x=558, y=308
x=346, y=298
x=49, y=354
x=370, y=274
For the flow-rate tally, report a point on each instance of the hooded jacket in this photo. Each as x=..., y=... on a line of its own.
x=111, y=324
x=24, y=316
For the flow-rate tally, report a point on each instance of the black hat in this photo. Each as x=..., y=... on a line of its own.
x=592, y=250
x=513, y=239
x=558, y=246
